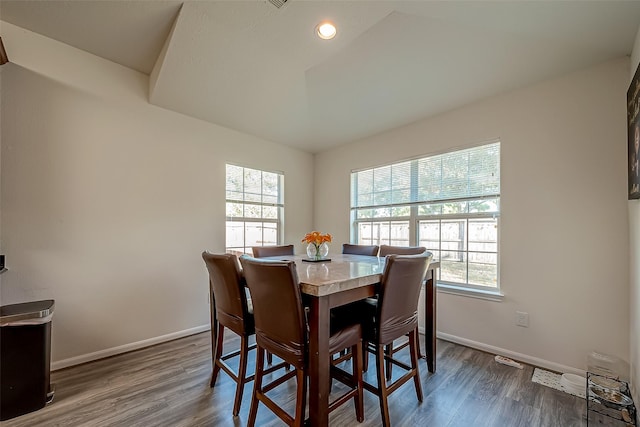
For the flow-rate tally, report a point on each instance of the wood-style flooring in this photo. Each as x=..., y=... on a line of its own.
x=168, y=385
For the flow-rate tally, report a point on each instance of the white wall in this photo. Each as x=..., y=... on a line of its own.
x=107, y=201
x=564, y=237
x=634, y=237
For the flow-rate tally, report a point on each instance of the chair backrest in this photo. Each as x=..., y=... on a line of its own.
x=397, y=311
x=281, y=327
x=228, y=289
x=401, y=250
x=371, y=250
x=265, y=251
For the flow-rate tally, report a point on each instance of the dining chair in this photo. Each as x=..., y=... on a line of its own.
x=400, y=250
x=284, y=332
x=370, y=250
x=234, y=311
x=266, y=251
x=392, y=315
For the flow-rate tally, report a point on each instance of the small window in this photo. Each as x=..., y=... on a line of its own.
x=254, y=201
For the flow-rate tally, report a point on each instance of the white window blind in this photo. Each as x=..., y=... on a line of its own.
x=465, y=174
x=448, y=203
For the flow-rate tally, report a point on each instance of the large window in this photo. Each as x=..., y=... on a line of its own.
x=254, y=208
x=449, y=203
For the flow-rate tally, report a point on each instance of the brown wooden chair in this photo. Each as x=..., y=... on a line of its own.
x=230, y=306
x=400, y=250
x=284, y=332
x=392, y=315
x=266, y=251
x=370, y=250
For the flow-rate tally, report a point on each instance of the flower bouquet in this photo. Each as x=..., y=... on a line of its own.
x=317, y=245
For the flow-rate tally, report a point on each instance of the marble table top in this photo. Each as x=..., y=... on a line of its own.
x=342, y=273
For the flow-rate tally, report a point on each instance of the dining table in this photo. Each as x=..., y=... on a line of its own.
x=338, y=280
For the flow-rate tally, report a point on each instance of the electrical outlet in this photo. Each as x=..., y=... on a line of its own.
x=522, y=319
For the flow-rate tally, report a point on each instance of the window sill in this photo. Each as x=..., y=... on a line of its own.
x=473, y=293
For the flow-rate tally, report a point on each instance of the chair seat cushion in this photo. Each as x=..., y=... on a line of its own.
x=345, y=337
x=364, y=312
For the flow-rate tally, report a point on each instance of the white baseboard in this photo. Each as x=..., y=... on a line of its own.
x=535, y=361
x=84, y=358
x=530, y=360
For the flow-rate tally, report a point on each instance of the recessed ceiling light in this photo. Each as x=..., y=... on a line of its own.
x=326, y=30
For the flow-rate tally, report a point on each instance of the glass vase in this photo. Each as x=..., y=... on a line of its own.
x=317, y=252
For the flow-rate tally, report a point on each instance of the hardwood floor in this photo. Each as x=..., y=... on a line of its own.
x=168, y=385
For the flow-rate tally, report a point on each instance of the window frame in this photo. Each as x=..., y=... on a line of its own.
x=279, y=205
x=414, y=219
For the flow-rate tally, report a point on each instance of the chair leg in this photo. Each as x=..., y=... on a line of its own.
x=388, y=351
x=391, y=351
x=257, y=386
x=413, y=347
x=365, y=356
x=382, y=386
x=418, y=344
x=301, y=397
x=218, y=354
x=242, y=373
x=356, y=362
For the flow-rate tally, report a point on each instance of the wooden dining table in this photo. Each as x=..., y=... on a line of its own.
x=328, y=284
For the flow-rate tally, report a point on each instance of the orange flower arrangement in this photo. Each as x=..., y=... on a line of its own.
x=317, y=238
x=319, y=242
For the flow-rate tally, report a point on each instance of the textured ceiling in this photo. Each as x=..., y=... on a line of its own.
x=250, y=66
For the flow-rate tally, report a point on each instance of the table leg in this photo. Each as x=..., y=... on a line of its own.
x=430, y=320
x=319, y=361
